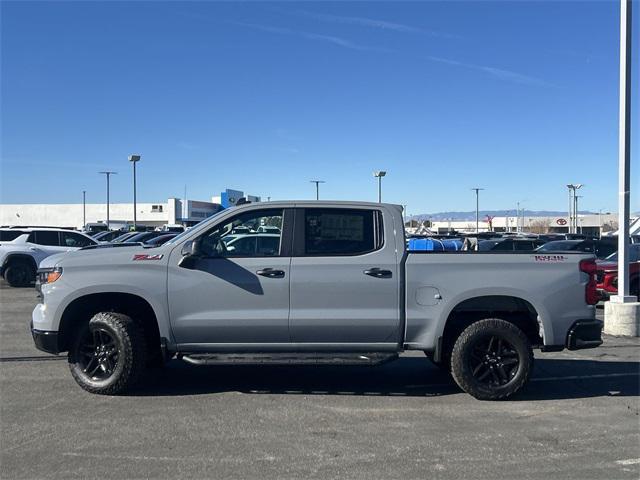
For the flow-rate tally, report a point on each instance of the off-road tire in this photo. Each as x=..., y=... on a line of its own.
x=19, y=274
x=129, y=340
x=471, y=338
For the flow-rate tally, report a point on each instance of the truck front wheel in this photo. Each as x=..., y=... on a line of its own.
x=108, y=355
x=492, y=359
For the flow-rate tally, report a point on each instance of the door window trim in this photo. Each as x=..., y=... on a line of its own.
x=299, y=233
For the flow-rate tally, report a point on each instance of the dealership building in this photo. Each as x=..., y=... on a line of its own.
x=172, y=211
x=593, y=224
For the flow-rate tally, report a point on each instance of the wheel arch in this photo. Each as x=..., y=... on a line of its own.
x=81, y=310
x=511, y=308
x=19, y=257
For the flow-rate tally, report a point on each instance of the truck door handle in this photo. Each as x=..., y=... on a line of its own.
x=271, y=273
x=378, y=273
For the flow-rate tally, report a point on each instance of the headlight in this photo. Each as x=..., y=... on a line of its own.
x=49, y=275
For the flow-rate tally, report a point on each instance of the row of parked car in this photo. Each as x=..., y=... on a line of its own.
x=23, y=248
x=605, y=249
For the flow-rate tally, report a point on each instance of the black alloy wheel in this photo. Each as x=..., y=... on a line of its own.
x=98, y=354
x=493, y=361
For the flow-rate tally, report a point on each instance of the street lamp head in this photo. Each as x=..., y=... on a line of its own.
x=577, y=186
x=134, y=158
x=380, y=173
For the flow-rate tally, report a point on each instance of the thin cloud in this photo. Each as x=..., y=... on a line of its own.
x=338, y=41
x=372, y=23
x=499, y=73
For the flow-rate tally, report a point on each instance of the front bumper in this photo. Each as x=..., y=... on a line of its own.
x=45, y=341
x=585, y=334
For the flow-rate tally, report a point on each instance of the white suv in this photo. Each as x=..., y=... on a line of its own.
x=22, y=250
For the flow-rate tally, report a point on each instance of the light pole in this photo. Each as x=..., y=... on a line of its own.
x=477, y=190
x=379, y=174
x=108, y=175
x=575, y=198
x=134, y=159
x=517, y=217
x=84, y=209
x=573, y=204
x=317, y=182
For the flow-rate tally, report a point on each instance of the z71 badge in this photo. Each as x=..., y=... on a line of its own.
x=147, y=257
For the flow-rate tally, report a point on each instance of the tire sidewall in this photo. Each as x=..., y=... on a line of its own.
x=18, y=274
x=124, y=351
x=476, y=333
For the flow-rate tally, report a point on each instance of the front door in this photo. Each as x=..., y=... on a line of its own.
x=344, y=279
x=236, y=291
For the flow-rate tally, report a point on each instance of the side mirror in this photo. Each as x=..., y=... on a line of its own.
x=191, y=249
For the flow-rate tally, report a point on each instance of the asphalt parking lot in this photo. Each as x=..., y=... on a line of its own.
x=578, y=418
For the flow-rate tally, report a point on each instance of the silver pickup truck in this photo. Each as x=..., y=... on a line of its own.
x=311, y=282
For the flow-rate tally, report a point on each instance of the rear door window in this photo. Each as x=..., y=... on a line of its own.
x=45, y=237
x=338, y=231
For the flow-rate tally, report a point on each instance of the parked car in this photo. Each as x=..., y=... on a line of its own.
x=161, y=240
x=124, y=237
x=607, y=273
x=20, y=257
x=107, y=236
x=340, y=288
x=93, y=228
x=601, y=249
x=144, y=236
x=510, y=244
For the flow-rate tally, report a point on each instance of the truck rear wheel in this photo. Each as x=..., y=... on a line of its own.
x=492, y=359
x=19, y=274
x=108, y=355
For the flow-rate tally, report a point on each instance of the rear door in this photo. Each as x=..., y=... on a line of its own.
x=344, y=279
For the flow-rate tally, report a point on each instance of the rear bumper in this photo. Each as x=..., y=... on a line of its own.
x=45, y=341
x=585, y=334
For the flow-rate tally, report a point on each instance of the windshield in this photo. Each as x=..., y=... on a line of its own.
x=634, y=254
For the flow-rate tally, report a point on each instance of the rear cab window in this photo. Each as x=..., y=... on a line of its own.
x=338, y=231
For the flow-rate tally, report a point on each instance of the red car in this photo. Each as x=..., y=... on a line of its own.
x=607, y=273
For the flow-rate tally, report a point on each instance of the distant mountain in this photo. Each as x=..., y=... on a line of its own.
x=468, y=216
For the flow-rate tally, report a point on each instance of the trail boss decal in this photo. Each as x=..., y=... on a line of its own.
x=147, y=257
x=549, y=258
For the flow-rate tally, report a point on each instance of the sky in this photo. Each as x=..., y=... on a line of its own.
x=519, y=98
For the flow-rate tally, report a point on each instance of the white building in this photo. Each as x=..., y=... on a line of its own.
x=172, y=211
x=588, y=224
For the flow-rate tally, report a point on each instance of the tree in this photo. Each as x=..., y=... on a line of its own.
x=539, y=226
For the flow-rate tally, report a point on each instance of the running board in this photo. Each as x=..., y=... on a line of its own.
x=288, y=359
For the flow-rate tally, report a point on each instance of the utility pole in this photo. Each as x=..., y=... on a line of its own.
x=108, y=175
x=477, y=190
x=84, y=209
x=570, y=222
x=134, y=159
x=317, y=182
x=379, y=174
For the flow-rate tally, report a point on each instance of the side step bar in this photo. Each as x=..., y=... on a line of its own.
x=288, y=359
